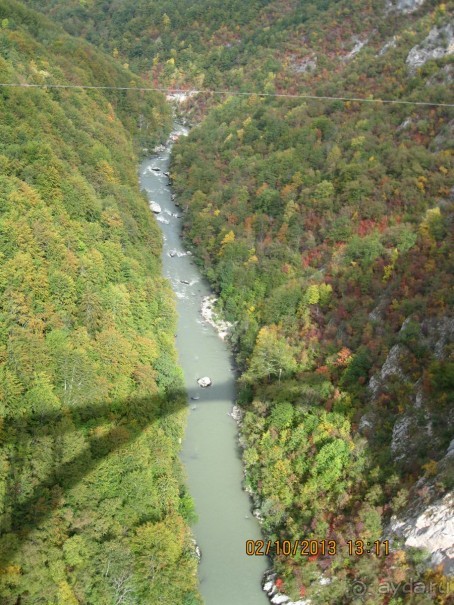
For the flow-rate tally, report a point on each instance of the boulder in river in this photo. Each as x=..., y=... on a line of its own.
x=204, y=382
x=156, y=169
x=184, y=281
x=172, y=253
x=155, y=207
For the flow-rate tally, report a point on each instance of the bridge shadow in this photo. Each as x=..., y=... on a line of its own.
x=126, y=421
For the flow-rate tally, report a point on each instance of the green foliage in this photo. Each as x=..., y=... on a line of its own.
x=272, y=356
x=282, y=415
x=334, y=242
x=90, y=404
x=323, y=225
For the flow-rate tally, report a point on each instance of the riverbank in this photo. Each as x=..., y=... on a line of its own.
x=222, y=327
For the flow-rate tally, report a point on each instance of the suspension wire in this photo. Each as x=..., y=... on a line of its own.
x=172, y=91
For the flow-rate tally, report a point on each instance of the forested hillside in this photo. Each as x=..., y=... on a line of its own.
x=92, y=503
x=326, y=229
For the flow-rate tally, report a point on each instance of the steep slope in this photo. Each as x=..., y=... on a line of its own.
x=205, y=43
x=92, y=504
x=326, y=228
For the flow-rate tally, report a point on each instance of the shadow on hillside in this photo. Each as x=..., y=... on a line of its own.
x=126, y=420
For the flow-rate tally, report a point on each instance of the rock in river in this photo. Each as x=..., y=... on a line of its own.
x=155, y=207
x=204, y=382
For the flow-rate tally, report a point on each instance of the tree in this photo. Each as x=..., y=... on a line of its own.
x=272, y=356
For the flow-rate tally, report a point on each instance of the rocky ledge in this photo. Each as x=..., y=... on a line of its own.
x=430, y=524
x=274, y=595
x=210, y=316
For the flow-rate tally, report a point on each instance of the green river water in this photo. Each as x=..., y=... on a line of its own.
x=210, y=455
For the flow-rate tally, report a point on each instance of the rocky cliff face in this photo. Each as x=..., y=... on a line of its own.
x=429, y=523
x=403, y=6
x=438, y=44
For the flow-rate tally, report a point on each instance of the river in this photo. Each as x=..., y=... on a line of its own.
x=210, y=455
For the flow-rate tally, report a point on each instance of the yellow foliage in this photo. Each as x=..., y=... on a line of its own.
x=430, y=468
x=358, y=142
x=66, y=595
x=421, y=183
x=390, y=268
x=11, y=570
x=110, y=113
x=107, y=172
x=312, y=295
x=166, y=21
x=228, y=239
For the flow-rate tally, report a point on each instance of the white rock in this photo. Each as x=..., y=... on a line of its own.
x=451, y=448
x=180, y=97
x=405, y=124
x=280, y=598
x=438, y=44
x=403, y=6
x=308, y=64
x=432, y=529
x=355, y=50
x=236, y=414
x=222, y=327
x=390, y=44
x=204, y=382
x=155, y=207
x=391, y=365
x=365, y=423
